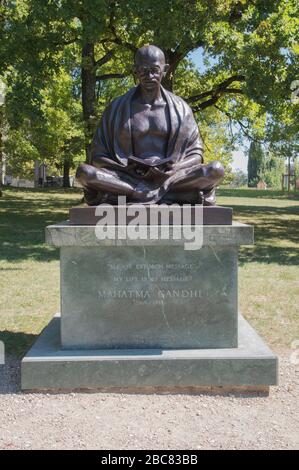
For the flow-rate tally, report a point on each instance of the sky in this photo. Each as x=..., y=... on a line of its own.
x=240, y=161
x=239, y=158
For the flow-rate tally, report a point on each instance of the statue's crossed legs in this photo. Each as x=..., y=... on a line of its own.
x=105, y=184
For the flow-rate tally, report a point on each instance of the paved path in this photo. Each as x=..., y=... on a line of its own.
x=123, y=421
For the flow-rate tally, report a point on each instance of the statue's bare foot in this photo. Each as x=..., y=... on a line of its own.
x=144, y=194
x=209, y=197
x=92, y=197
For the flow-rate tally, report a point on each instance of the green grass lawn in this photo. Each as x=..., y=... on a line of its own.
x=29, y=270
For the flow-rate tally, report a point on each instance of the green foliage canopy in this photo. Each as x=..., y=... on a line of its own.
x=250, y=50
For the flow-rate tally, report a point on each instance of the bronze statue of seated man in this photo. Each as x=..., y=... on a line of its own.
x=148, y=147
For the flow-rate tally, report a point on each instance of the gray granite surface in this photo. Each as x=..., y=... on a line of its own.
x=47, y=366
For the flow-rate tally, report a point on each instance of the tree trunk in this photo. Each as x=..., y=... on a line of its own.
x=2, y=168
x=1, y=163
x=173, y=61
x=36, y=173
x=1, y=158
x=88, y=79
x=66, y=174
x=168, y=81
x=289, y=174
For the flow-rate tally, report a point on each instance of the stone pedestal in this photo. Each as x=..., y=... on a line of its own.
x=148, y=297
x=249, y=367
x=148, y=312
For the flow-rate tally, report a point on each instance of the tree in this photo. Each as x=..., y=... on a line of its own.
x=37, y=38
x=3, y=132
x=256, y=163
x=239, y=178
x=274, y=169
x=55, y=137
x=63, y=140
x=250, y=49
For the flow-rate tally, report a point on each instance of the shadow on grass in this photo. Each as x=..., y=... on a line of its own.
x=260, y=210
x=22, y=227
x=268, y=254
x=17, y=343
x=277, y=222
x=24, y=219
x=257, y=194
x=274, y=227
x=11, y=190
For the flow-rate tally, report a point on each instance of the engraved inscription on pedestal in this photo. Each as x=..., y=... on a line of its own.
x=157, y=297
x=169, y=281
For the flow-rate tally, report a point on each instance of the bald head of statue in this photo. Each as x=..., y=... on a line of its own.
x=150, y=66
x=149, y=53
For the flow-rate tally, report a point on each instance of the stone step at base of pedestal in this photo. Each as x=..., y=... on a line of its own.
x=251, y=366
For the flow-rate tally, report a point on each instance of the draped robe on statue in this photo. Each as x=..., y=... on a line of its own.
x=113, y=140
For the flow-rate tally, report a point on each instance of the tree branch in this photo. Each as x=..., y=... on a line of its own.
x=243, y=127
x=106, y=76
x=238, y=91
x=66, y=42
x=117, y=39
x=103, y=60
x=218, y=90
x=205, y=104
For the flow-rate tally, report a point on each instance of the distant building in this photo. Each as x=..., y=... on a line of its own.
x=41, y=179
x=17, y=182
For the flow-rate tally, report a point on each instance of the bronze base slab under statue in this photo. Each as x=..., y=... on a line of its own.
x=210, y=215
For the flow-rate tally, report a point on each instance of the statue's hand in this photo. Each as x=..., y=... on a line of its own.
x=171, y=169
